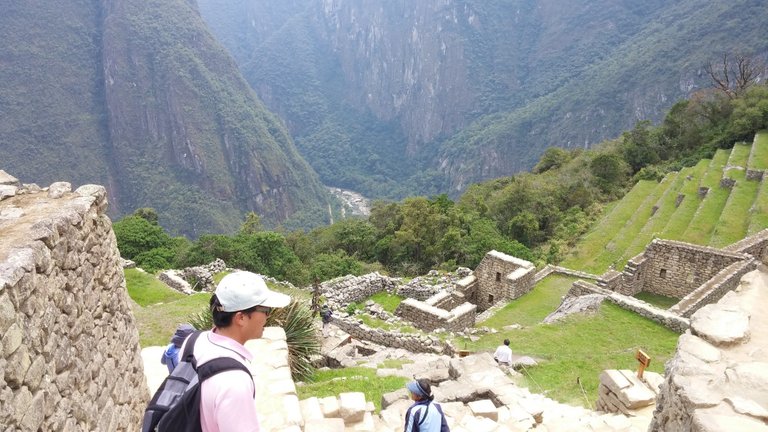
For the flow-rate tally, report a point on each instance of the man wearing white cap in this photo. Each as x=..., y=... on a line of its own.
x=240, y=307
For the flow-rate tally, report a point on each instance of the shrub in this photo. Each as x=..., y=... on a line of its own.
x=296, y=320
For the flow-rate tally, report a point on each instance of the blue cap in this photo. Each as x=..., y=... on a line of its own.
x=416, y=389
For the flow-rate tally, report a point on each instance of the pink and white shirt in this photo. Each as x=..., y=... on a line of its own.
x=226, y=399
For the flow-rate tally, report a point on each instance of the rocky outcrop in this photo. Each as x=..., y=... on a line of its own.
x=718, y=378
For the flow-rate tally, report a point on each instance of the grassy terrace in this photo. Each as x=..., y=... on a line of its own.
x=653, y=226
x=733, y=223
x=759, y=211
x=759, y=158
x=584, y=258
x=683, y=214
x=700, y=228
x=582, y=347
x=618, y=245
x=740, y=155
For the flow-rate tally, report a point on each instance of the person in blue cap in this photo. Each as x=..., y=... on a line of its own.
x=170, y=356
x=424, y=415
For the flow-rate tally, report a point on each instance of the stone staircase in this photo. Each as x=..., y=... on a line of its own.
x=476, y=396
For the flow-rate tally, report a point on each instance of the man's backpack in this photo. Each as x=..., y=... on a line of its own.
x=176, y=404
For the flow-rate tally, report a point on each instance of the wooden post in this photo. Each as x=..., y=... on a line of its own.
x=644, y=360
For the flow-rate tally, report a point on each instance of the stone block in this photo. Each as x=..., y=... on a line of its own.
x=310, y=409
x=330, y=407
x=352, y=407
x=391, y=418
x=710, y=420
x=365, y=425
x=324, y=425
x=478, y=424
x=292, y=409
x=721, y=325
x=484, y=408
x=388, y=399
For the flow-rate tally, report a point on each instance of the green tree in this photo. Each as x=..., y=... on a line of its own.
x=135, y=235
x=252, y=224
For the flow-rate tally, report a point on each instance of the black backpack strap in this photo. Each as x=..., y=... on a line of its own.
x=189, y=349
x=221, y=364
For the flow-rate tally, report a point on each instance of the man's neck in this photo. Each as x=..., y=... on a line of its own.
x=232, y=333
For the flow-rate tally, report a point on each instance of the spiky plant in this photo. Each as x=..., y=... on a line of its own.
x=300, y=335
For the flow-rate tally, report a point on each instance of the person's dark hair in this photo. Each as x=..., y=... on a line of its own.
x=506, y=342
x=223, y=319
x=427, y=387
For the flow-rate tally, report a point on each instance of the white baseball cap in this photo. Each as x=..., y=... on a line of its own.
x=242, y=290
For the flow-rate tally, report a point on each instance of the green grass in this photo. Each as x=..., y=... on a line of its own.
x=740, y=154
x=582, y=347
x=657, y=300
x=157, y=322
x=759, y=212
x=607, y=228
x=331, y=382
x=652, y=227
x=759, y=158
x=734, y=221
x=146, y=290
x=683, y=214
x=533, y=307
x=388, y=301
x=618, y=245
x=700, y=227
x=377, y=323
x=219, y=276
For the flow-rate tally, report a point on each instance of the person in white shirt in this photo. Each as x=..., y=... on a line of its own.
x=503, y=354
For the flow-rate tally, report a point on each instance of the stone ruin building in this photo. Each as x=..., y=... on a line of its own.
x=498, y=277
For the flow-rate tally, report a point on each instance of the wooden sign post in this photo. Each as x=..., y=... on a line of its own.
x=644, y=360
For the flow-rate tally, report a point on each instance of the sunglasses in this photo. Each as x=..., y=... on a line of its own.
x=264, y=309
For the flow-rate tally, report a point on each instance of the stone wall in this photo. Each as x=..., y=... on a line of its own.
x=427, y=317
x=714, y=289
x=675, y=269
x=670, y=320
x=501, y=277
x=718, y=378
x=348, y=289
x=755, y=245
x=417, y=343
x=69, y=357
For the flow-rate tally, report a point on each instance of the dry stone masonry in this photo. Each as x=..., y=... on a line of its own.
x=498, y=277
x=69, y=357
x=718, y=379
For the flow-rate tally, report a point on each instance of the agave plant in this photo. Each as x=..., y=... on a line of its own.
x=296, y=320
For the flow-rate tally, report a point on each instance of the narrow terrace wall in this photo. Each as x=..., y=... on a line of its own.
x=394, y=339
x=714, y=289
x=668, y=319
x=69, y=357
x=755, y=245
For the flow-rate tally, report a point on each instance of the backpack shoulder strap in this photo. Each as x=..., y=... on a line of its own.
x=221, y=364
x=189, y=349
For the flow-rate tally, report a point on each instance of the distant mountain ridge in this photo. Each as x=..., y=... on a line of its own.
x=459, y=91
x=138, y=96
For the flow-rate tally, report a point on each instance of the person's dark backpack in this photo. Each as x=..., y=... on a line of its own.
x=176, y=404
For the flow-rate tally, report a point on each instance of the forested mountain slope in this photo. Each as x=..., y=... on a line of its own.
x=138, y=96
x=392, y=98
